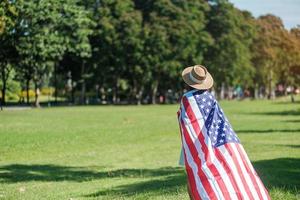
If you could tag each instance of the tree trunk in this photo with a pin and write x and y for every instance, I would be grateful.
(140, 95)
(55, 83)
(256, 91)
(72, 92)
(154, 91)
(27, 90)
(116, 91)
(83, 86)
(222, 93)
(133, 93)
(3, 90)
(271, 92)
(37, 92)
(292, 97)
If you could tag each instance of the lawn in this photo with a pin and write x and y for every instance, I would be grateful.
(131, 152)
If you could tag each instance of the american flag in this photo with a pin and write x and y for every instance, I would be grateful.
(216, 163)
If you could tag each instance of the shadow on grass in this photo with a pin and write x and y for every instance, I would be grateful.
(289, 145)
(276, 173)
(287, 102)
(280, 172)
(163, 184)
(25, 173)
(292, 121)
(269, 131)
(283, 113)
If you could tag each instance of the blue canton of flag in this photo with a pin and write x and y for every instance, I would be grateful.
(217, 125)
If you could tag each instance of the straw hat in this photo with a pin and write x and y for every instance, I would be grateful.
(197, 77)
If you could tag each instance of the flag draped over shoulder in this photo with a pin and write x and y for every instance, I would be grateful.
(216, 163)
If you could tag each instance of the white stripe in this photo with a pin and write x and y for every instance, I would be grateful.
(259, 183)
(226, 179)
(236, 175)
(197, 144)
(244, 171)
(192, 101)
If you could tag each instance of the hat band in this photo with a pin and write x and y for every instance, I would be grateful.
(194, 79)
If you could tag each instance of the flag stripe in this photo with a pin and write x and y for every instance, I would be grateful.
(245, 173)
(248, 174)
(228, 170)
(220, 186)
(261, 186)
(189, 164)
(239, 170)
(234, 171)
(208, 188)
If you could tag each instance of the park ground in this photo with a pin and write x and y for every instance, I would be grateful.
(131, 152)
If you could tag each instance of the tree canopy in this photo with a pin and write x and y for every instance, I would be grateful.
(135, 50)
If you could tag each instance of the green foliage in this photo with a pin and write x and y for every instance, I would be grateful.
(7, 15)
(13, 87)
(139, 47)
(230, 55)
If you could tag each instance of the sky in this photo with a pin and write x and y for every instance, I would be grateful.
(287, 10)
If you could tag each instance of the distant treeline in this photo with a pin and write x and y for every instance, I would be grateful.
(135, 50)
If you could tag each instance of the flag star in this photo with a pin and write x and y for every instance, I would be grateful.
(219, 121)
(202, 106)
(224, 129)
(221, 140)
(207, 110)
(217, 127)
(223, 134)
(203, 99)
(209, 103)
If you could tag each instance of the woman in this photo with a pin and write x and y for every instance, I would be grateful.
(216, 163)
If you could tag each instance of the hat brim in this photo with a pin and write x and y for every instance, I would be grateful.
(207, 83)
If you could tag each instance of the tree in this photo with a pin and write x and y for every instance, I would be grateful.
(8, 14)
(118, 43)
(168, 48)
(229, 58)
(48, 29)
(274, 52)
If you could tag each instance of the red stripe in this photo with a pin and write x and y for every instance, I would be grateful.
(227, 168)
(236, 163)
(205, 150)
(201, 174)
(242, 152)
(255, 184)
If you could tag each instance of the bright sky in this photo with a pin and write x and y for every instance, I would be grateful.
(287, 10)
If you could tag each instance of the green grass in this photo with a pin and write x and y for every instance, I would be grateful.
(131, 152)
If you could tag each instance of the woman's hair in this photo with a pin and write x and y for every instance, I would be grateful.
(188, 88)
